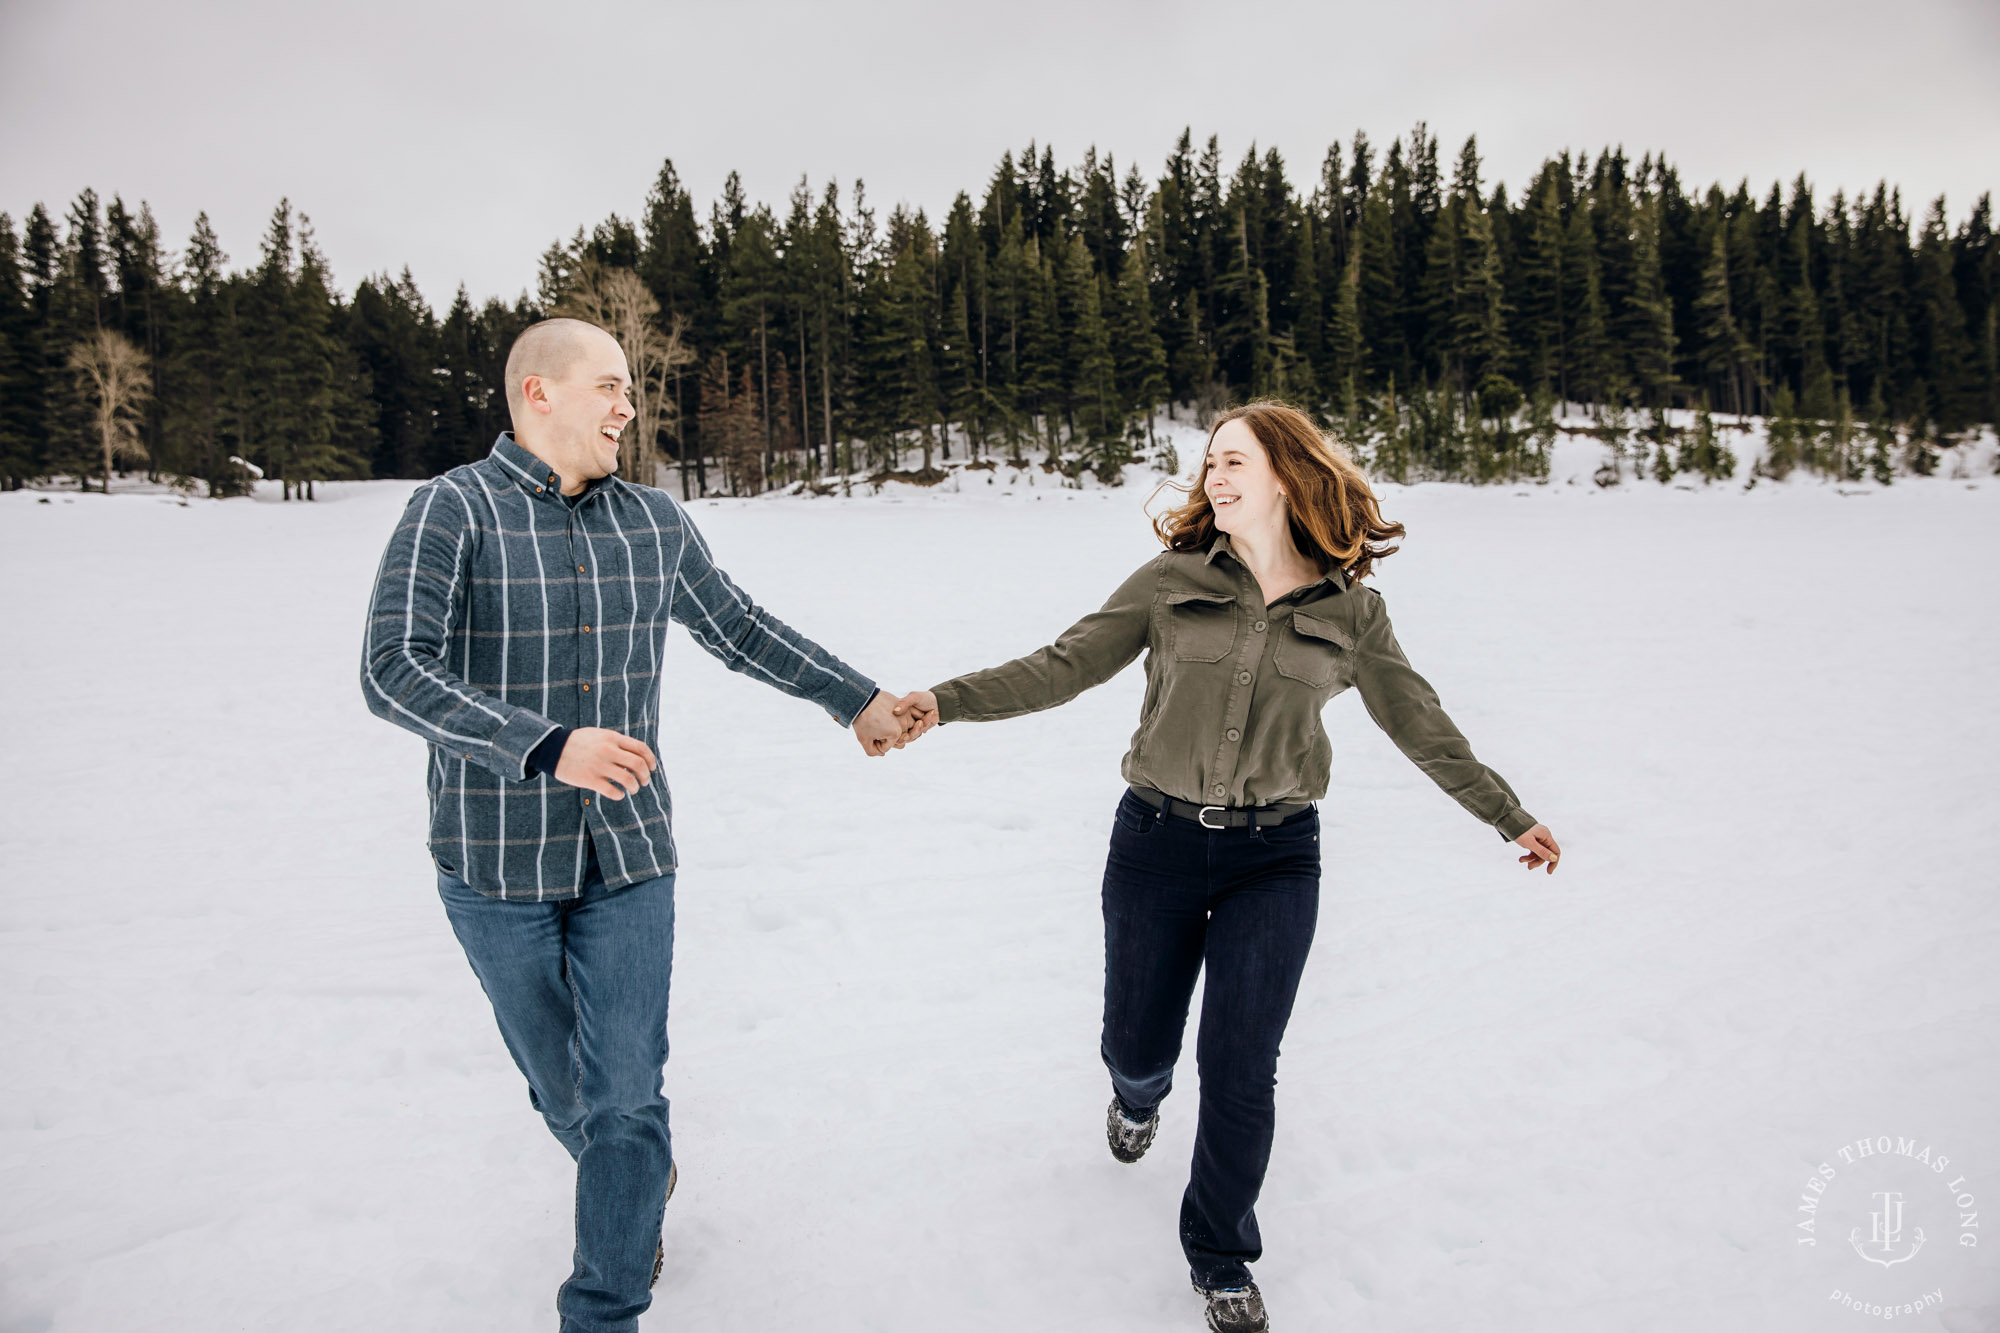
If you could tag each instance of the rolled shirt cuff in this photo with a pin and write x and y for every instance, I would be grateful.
(508, 750)
(545, 756)
(1514, 823)
(849, 698)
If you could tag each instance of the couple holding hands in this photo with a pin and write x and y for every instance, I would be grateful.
(517, 625)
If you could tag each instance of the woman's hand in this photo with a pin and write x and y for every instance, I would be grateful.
(1542, 849)
(919, 713)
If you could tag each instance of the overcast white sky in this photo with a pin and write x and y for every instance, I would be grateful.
(460, 139)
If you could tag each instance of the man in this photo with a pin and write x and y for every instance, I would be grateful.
(517, 625)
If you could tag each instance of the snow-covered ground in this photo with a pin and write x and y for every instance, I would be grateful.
(251, 1084)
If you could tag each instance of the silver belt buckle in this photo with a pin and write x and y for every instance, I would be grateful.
(1201, 818)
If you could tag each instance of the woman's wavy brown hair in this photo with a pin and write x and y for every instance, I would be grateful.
(1335, 516)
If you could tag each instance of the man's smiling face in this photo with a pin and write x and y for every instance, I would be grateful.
(591, 405)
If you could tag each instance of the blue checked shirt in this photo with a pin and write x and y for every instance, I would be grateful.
(502, 612)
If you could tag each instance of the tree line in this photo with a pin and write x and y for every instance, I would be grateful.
(1437, 322)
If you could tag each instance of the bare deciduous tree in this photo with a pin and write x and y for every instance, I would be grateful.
(120, 382)
(617, 300)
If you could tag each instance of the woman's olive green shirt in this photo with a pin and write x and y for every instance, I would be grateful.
(1234, 688)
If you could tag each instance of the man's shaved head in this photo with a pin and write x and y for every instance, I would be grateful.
(547, 349)
(570, 394)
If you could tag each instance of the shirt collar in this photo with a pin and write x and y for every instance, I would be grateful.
(537, 477)
(1336, 575)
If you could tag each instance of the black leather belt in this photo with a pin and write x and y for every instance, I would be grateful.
(1222, 816)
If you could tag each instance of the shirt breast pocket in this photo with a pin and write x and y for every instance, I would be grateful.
(1202, 625)
(642, 592)
(1312, 650)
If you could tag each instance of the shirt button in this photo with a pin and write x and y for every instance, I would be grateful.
(586, 800)
(1242, 678)
(586, 689)
(586, 629)
(538, 490)
(1234, 734)
(1218, 789)
(579, 569)
(1259, 627)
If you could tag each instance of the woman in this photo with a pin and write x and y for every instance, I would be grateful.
(1252, 619)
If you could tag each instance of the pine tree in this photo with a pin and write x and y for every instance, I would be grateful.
(1587, 371)
(671, 252)
(1009, 287)
(1721, 345)
(299, 395)
(196, 378)
(337, 416)
(1378, 296)
(32, 347)
(1094, 389)
(1308, 315)
(393, 332)
(1800, 340)
(77, 296)
(1140, 356)
(1783, 437)
(1647, 329)
(1038, 381)
(1480, 326)
(1942, 349)
(902, 392)
(1465, 301)
(958, 352)
(1344, 335)
(18, 419)
(1539, 304)
(1976, 263)
(137, 269)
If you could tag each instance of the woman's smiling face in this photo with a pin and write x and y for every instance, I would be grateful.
(1240, 483)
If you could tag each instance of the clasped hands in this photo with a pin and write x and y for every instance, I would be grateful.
(889, 723)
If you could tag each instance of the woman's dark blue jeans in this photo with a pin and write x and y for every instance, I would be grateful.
(1242, 903)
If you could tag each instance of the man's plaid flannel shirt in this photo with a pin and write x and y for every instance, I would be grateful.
(502, 612)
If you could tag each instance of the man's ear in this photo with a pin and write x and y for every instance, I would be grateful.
(534, 391)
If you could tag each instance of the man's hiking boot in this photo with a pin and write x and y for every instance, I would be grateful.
(1235, 1309)
(660, 1251)
(1129, 1138)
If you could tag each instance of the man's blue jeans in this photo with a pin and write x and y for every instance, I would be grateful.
(580, 990)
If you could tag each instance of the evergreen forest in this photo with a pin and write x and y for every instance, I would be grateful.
(1436, 321)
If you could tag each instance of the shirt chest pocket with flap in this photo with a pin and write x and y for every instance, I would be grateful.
(1201, 624)
(1313, 650)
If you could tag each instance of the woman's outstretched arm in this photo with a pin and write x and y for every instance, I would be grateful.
(1090, 652)
(1405, 706)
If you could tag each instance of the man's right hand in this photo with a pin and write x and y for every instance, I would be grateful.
(612, 765)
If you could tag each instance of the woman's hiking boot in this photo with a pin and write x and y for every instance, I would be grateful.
(1129, 1138)
(1236, 1309)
